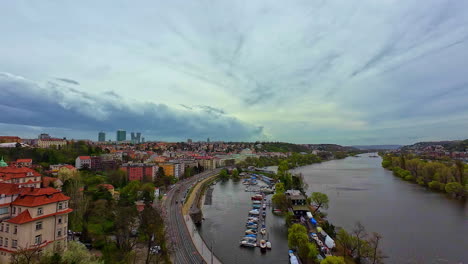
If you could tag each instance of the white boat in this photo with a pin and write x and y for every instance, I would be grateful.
(249, 239)
(268, 245)
(264, 206)
(263, 231)
(253, 219)
(247, 244)
(254, 212)
(263, 245)
(250, 232)
(256, 202)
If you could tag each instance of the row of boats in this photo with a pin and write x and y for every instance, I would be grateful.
(256, 225)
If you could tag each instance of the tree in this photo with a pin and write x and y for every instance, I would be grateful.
(78, 254)
(347, 242)
(375, 255)
(360, 234)
(333, 260)
(454, 188)
(297, 234)
(280, 201)
(125, 226)
(223, 175)
(118, 178)
(26, 255)
(235, 175)
(320, 200)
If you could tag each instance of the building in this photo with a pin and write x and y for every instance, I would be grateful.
(168, 168)
(51, 142)
(44, 136)
(121, 135)
(21, 176)
(135, 137)
(102, 137)
(140, 171)
(189, 141)
(24, 163)
(298, 202)
(9, 139)
(32, 218)
(83, 162)
(138, 137)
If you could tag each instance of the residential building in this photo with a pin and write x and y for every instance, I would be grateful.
(189, 141)
(32, 218)
(51, 143)
(168, 168)
(121, 135)
(83, 162)
(102, 137)
(24, 163)
(21, 176)
(140, 171)
(9, 139)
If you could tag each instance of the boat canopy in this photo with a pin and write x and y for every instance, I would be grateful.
(309, 215)
(313, 221)
(329, 242)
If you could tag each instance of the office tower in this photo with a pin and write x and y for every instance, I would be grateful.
(132, 137)
(102, 137)
(208, 140)
(138, 137)
(142, 140)
(189, 141)
(121, 135)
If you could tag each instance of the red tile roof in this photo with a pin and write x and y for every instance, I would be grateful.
(32, 197)
(48, 180)
(25, 216)
(107, 186)
(84, 157)
(24, 160)
(9, 189)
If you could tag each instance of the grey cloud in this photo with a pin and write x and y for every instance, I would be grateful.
(69, 81)
(54, 106)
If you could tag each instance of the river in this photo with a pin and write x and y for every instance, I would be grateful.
(418, 226)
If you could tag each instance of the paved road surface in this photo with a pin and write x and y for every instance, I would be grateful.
(183, 249)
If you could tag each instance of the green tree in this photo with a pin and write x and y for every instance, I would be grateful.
(333, 260)
(454, 188)
(78, 254)
(297, 234)
(223, 175)
(280, 201)
(319, 200)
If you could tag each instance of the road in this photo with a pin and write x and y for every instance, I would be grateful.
(183, 249)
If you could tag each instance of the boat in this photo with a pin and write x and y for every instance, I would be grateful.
(249, 239)
(264, 214)
(244, 243)
(256, 206)
(257, 202)
(257, 197)
(250, 232)
(251, 235)
(253, 219)
(263, 245)
(254, 212)
(277, 211)
(268, 244)
(264, 206)
(292, 258)
(263, 231)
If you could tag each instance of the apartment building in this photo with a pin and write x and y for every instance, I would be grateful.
(83, 162)
(22, 176)
(140, 171)
(32, 218)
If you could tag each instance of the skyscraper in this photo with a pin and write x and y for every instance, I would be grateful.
(121, 135)
(102, 137)
(138, 137)
(132, 137)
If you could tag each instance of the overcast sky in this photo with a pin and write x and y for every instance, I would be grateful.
(346, 72)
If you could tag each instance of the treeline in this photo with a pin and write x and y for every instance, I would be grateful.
(449, 177)
(293, 161)
(46, 156)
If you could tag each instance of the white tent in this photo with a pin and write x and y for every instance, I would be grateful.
(329, 242)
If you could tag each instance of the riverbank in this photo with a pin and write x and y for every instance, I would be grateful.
(194, 196)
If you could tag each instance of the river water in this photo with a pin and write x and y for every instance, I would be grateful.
(418, 226)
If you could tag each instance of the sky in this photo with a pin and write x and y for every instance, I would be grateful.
(309, 71)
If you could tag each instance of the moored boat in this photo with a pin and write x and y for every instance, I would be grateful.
(263, 231)
(263, 245)
(254, 212)
(268, 245)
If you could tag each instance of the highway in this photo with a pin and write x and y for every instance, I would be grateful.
(180, 241)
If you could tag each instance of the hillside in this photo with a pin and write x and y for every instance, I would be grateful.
(455, 145)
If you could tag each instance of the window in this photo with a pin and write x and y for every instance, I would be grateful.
(1, 227)
(39, 211)
(6, 242)
(7, 229)
(14, 210)
(38, 225)
(59, 232)
(60, 206)
(3, 210)
(1, 241)
(66, 205)
(15, 230)
(14, 243)
(19, 210)
(38, 239)
(59, 219)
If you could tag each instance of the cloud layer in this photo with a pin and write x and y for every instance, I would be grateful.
(61, 107)
(307, 71)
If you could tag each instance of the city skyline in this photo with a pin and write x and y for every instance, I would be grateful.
(302, 72)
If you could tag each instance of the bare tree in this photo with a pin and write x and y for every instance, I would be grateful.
(360, 234)
(26, 255)
(376, 256)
